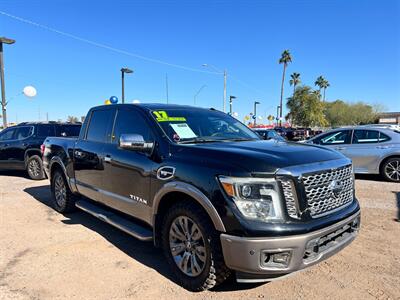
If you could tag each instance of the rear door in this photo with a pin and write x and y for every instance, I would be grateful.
(365, 150)
(88, 153)
(127, 181)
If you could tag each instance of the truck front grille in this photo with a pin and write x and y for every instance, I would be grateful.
(324, 191)
(328, 190)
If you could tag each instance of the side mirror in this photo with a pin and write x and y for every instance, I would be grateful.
(135, 142)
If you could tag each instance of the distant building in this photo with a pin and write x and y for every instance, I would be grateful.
(389, 118)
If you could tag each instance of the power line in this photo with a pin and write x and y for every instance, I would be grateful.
(104, 46)
(120, 51)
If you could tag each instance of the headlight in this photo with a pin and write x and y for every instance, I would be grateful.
(256, 198)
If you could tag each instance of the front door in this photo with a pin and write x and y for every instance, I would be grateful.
(127, 183)
(6, 140)
(340, 140)
(88, 153)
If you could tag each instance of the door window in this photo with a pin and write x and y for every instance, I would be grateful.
(99, 125)
(23, 132)
(7, 134)
(130, 122)
(365, 136)
(45, 130)
(68, 130)
(336, 138)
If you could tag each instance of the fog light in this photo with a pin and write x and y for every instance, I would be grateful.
(281, 258)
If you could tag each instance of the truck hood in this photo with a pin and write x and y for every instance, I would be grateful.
(258, 156)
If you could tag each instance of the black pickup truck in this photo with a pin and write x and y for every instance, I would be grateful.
(217, 198)
(20, 145)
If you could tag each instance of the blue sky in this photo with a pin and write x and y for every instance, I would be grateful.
(354, 44)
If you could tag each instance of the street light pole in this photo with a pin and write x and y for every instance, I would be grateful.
(3, 40)
(255, 112)
(277, 114)
(230, 104)
(123, 71)
(225, 75)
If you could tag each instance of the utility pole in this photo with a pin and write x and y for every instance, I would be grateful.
(230, 104)
(123, 71)
(3, 40)
(255, 112)
(225, 73)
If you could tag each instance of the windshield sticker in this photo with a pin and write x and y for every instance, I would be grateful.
(162, 116)
(183, 131)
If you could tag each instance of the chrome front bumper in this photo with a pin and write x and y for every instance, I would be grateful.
(250, 257)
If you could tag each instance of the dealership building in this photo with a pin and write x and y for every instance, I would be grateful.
(389, 118)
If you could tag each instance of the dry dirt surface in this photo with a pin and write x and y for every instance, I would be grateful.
(45, 255)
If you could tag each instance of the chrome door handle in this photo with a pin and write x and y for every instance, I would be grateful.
(340, 148)
(107, 158)
(382, 147)
(78, 153)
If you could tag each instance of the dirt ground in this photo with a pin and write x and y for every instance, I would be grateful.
(45, 255)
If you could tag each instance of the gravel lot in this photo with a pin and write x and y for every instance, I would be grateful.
(45, 255)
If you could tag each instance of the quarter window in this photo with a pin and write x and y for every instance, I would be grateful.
(383, 137)
(99, 124)
(365, 136)
(45, 130)
(336, 138)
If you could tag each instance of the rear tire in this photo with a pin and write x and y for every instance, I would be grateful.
(63, 199)
(390, 169)
(34, 167)
(193, 248)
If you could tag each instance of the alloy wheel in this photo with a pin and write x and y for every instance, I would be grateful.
(60, 191)
(34, 168)
(392, 170)
(187, 246)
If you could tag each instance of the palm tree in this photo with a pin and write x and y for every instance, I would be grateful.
(320, 82)
(295, 80)
(325, 85)
(285, 59)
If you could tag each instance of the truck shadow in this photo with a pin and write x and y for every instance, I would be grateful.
(143, 252)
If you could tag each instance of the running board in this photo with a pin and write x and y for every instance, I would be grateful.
(131, 228)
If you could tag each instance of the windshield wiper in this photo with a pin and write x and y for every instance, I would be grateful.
(239, 139)
(198, 141)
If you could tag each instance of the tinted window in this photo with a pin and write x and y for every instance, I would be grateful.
(45, 130)
(7, 134)
(365, 136)
(335, 138)
(23, 132)
(68, 130)
(99, 124)
(130, 122)
(383, 137)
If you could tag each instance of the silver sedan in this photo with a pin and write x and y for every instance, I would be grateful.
(373, 149)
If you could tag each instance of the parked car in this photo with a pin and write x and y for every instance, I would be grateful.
(207, 190)
(20, 145)
(373, 149)
(268, 134)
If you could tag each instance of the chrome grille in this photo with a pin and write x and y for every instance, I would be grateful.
(290, 197)
(328, 190)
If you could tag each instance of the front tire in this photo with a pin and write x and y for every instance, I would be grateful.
(390, 169)
(63, 199)
(193, 248)
(34, 167)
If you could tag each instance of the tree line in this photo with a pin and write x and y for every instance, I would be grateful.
(308, 108)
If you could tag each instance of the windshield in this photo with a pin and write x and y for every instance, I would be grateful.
(197, 126)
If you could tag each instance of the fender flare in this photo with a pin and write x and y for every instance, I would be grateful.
(58, 161)
(193, 192)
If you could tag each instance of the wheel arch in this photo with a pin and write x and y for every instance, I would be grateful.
(31, 152)
(385, 159)
(174, 192)
(56, 163)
